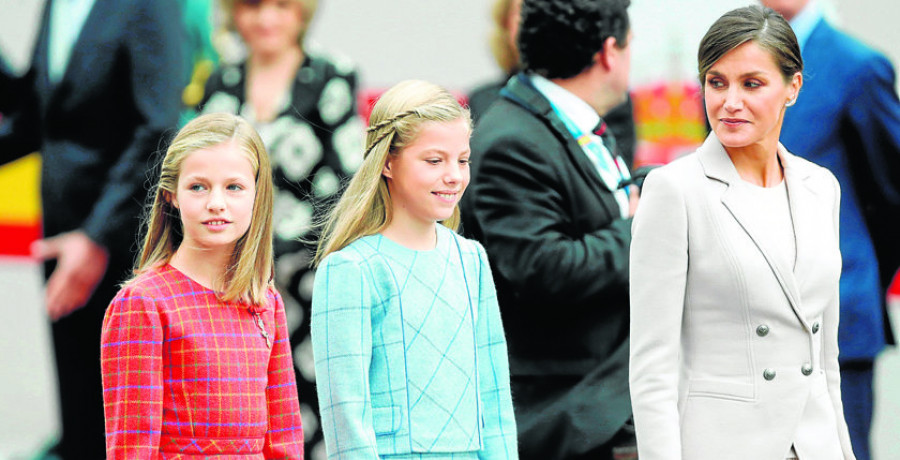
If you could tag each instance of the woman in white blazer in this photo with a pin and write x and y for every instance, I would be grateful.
(734, 272)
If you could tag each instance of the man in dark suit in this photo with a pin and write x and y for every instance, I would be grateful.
(847, 119)
(546, 202)
(103, 88)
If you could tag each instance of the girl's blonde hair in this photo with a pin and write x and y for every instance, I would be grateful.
(365, 207)
(250, 269)
(307, 11)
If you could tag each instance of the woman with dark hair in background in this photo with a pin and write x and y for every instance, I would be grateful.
(734, 272)
(303, 105)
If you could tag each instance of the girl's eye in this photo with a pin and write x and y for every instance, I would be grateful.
(433, 161)
(714, 83)
(196, 187)
(752, 84)
(465, 161)
(235, 187)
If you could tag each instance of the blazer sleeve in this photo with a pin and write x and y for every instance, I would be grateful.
(19, 119)
(131, 361)
(341, 329)
(659, 262)
(493, 371)
(874, 111)
(521, 212)
(830, 321)
(872, 118)
(284, 437)
(155, 77)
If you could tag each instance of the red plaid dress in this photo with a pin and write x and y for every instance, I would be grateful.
(188, 376)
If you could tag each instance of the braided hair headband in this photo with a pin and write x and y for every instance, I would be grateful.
(383, 123)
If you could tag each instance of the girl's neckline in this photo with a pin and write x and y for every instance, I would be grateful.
(207, 290)
(442, 233)
(192, 280)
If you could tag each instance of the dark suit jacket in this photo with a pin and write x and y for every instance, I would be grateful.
(620, 118)
(559, 252)
(98, 126)
(847, 119)
(96, 129)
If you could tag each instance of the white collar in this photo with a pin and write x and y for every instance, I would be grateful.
(583, 115)
(806, 21)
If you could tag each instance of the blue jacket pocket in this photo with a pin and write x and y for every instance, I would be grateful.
(386, 420)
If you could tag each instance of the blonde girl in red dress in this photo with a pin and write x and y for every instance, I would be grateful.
(195, 354)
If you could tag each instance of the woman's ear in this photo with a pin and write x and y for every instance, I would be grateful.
(796, 84)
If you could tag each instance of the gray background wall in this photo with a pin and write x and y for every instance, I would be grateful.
(446, 40)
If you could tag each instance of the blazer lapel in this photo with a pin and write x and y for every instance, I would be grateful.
(801, 198)
(40, 58)
(93, 24)
(718, 166)
(522, 92)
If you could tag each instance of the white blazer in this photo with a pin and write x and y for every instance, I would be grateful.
(733, 351)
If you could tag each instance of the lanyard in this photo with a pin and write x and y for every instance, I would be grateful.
(611, 168)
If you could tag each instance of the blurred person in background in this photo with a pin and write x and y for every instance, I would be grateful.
(547, 202)
(201, 56)
(303, 105)
(506, 15)
(848, 120)
(103, 89)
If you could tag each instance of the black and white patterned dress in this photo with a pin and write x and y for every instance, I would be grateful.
(315, 144)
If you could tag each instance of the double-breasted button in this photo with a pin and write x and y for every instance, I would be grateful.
(815, 327)
(762, 330)
(806, 369)
(769, 374)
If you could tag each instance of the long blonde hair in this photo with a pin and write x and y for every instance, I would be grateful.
(365, 207)
(250, 269)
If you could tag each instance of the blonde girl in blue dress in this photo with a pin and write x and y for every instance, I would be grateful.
(410, 354)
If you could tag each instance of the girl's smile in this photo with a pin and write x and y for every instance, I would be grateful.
(428, 177)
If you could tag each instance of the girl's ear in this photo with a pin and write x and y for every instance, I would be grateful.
(171, 199)
(386, 170)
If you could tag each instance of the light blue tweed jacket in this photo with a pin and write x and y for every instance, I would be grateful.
(410, 352)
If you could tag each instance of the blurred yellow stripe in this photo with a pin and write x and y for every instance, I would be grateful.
(20, 201)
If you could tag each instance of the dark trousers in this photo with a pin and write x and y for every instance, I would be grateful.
(558, 418)
(858, 398)
(622, 446)
(76, 343)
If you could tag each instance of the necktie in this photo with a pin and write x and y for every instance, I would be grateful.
(609, 141)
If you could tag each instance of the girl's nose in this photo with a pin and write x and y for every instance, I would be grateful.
(453, 173)
(216, 201)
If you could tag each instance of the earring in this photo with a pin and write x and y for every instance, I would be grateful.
(790, 102)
